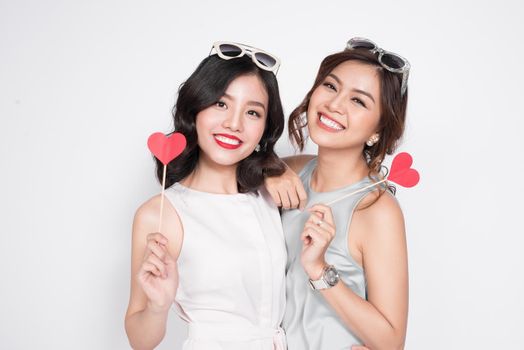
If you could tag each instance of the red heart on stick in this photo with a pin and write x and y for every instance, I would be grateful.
(401, 171)
(166, 148)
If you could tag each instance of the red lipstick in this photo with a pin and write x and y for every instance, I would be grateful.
(220, 140)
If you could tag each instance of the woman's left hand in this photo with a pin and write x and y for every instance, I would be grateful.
(318, 233)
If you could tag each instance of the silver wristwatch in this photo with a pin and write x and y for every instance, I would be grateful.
(328, 279)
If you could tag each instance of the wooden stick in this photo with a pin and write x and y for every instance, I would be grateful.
(162, 198)
(355, 192)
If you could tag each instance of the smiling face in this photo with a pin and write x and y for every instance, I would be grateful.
(229, 130)
(344, 110)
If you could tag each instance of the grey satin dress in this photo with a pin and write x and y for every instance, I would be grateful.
(309, 322)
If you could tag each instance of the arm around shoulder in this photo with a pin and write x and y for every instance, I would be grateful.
(287, 189)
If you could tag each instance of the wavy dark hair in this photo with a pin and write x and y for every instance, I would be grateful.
(393, 107)
(204, 88)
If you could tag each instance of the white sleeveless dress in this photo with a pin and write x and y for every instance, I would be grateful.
(231, 269)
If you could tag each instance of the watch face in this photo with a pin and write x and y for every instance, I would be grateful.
(331, 276)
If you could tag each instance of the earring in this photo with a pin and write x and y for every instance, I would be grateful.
(257, 148)
(372, 140)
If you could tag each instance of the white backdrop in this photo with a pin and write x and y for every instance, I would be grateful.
(83, 84)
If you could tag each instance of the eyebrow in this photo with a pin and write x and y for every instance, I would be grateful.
(356, 90)
(249, 103)
(365, 93)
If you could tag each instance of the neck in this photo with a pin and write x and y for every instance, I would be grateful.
(212, 177)
(338, 168)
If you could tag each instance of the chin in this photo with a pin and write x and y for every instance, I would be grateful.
(322, 139)
(225, 159)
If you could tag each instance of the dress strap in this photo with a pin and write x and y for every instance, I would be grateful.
(307, 170)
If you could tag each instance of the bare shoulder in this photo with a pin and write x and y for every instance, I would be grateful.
(384, 210)
(297, 163)
(148, 214)
(147, 219)
(383, 219)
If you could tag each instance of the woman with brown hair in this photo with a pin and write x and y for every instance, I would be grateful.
(346, 275)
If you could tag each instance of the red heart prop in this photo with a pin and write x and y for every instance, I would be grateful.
(166, 148)
(401, 171)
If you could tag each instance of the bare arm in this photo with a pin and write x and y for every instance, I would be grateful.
(381, 320)
(154, 276)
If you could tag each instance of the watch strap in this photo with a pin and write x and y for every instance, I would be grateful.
(319, 284)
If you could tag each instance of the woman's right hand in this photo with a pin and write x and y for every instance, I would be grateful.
(287, 190)
(158, 274)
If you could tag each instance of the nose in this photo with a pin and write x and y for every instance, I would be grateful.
(336, 104)
(233, 120)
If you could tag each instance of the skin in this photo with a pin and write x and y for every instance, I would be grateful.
(240, 113)
(350, 100)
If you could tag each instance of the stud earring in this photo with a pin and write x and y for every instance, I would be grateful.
(372, 140)
(257, 148)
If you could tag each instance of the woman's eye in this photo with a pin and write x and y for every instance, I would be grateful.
(359, 101)
(220, 104)
(330, 86)
(254, 113)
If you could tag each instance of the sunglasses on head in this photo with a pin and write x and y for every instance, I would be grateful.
(229, 50)
(389, 60)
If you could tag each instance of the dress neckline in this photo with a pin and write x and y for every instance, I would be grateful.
(336, 190)
(210, 194)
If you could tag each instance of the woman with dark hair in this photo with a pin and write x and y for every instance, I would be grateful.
(347, 276)
(221, 256)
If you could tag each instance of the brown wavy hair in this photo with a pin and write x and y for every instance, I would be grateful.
(392, 105)
(204, 88)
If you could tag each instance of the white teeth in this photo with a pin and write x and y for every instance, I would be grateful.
(227, 140)
(330, 123)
